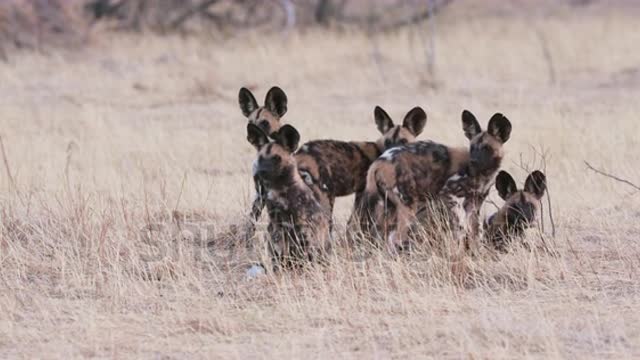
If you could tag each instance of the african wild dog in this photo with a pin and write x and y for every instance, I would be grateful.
(407, 178)
(334, 168)
(267, 118)
(298, 225)
(337, 168)
(519, 211)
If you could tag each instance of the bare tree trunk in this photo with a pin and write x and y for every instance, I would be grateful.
(290, 12)
(322, 13)
(431, 47)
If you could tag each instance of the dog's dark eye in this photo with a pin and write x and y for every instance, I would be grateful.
(403, 141)
(276, 159)
(264, 124)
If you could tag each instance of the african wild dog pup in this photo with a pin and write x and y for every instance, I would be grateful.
(519, 211)
(268, 119)
(406, 178)
(298, 225)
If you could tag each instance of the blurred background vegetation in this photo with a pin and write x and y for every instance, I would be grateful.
(38, 24)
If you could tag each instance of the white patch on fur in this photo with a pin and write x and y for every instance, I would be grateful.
(254, 167)
(390, 153)
(458, 211)
(490, 219)
(392, 238)
(454, 178)
(397, 192)
(306, 176)
(304, 148)
(275, 197)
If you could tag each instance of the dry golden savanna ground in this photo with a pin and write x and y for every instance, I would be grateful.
(106, 141)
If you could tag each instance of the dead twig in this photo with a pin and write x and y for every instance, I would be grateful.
(488, 201)
(184, 179)
(553, 223)
(7, 168)
(71, 148)
(540, 159)
(544, 156)
(610, 176)
(546, 54)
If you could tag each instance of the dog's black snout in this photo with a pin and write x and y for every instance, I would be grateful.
(265, 168)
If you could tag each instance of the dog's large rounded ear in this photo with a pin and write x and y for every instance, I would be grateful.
(415, 120)
(383, 120)
(276, 101)
(470, 125)
(248, 103)
(536, 184)
(256, 136)
(505, 185)
(499, 127)
(288, 137)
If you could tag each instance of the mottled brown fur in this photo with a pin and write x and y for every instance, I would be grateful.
(519, 211)
(407, 178)
(338, 168)
(298, 224)
(334, 168)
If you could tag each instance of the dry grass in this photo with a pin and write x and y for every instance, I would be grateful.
(104, 142)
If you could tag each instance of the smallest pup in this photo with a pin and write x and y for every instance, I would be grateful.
(519, 211)
(298, 226)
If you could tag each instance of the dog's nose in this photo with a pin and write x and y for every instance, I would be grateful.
(262, 172)
(264, 169)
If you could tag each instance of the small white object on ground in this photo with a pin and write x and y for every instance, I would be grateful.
(254, 271)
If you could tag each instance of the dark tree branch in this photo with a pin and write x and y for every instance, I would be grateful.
(616, 178)
(199, 8)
